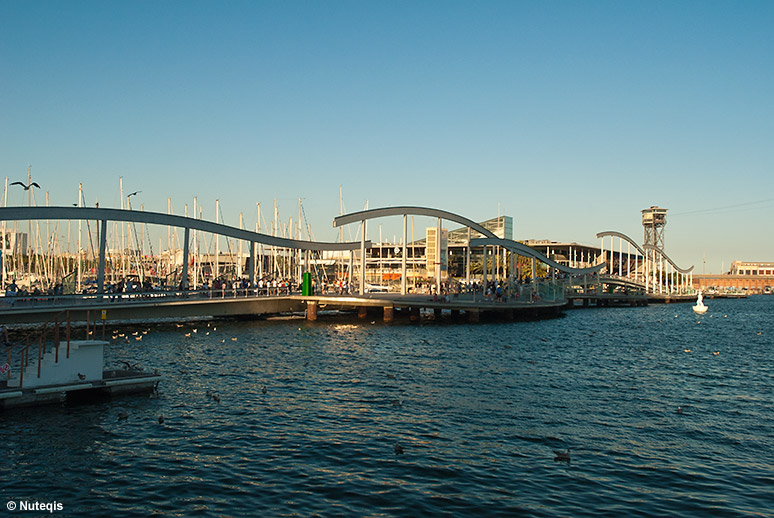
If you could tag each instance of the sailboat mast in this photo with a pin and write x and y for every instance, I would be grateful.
(80, 223)
(239, 248)
(123, 228)
(217, 239)
(260, 245)
(274, 232)
(4, 238)
(196, 250)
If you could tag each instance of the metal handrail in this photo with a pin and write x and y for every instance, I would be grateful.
(24, 351)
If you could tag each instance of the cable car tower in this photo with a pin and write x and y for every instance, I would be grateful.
(653, 224)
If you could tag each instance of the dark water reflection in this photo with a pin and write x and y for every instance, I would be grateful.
(477, 409)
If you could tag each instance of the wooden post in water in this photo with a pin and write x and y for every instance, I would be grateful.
(389, 313)
(68, 334)
(311, 311)
(40, 352)
(56, 340)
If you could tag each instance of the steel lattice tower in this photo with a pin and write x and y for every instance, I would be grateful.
(653, 223)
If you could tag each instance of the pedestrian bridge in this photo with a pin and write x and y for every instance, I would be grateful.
(634, 272)
(646, 267)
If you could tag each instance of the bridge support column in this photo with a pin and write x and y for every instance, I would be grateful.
(102, 248)
(585, 302)
(455, 314)
(184, 279)
(389, 313)
(311, 311)
(473, 316)
(403, 280)
(251, 264)
(485, 270)
(437, 313)
(467, 261)
(414, 314)
(362, 257)
(362, 311)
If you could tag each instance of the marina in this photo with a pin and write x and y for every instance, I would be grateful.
(515, 282)
(386, 259)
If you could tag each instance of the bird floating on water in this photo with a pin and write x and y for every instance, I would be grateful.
(264, 390)
(161, 419)
(562, 456)
(122, 415)
(398, 449)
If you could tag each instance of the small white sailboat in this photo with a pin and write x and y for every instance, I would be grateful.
(700, 308)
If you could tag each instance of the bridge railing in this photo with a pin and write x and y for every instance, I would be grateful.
(27, 302)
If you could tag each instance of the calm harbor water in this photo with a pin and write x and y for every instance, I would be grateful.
(477, 410)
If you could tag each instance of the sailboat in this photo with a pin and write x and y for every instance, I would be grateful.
(700, 308)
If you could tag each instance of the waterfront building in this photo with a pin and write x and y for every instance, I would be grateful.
(575, 255)
(744, 276)
(437, 252)
(383, 260)
(13, 242)
(752, 268)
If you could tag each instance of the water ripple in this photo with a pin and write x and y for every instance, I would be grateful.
(310, 415)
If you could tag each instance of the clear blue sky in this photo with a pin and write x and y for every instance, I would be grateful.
(570, 116)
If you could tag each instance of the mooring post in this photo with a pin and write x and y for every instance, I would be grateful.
(362, 311)
(389, 313)
(311, 311)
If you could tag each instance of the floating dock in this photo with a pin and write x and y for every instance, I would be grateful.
(68, 372)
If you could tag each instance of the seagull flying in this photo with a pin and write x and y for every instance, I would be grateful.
(26, 187)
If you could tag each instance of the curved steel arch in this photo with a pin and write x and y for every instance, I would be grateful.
(363, 215)
(681, 270)
(649, 247)
(523, 249)
(158, 218)
(613, 233)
